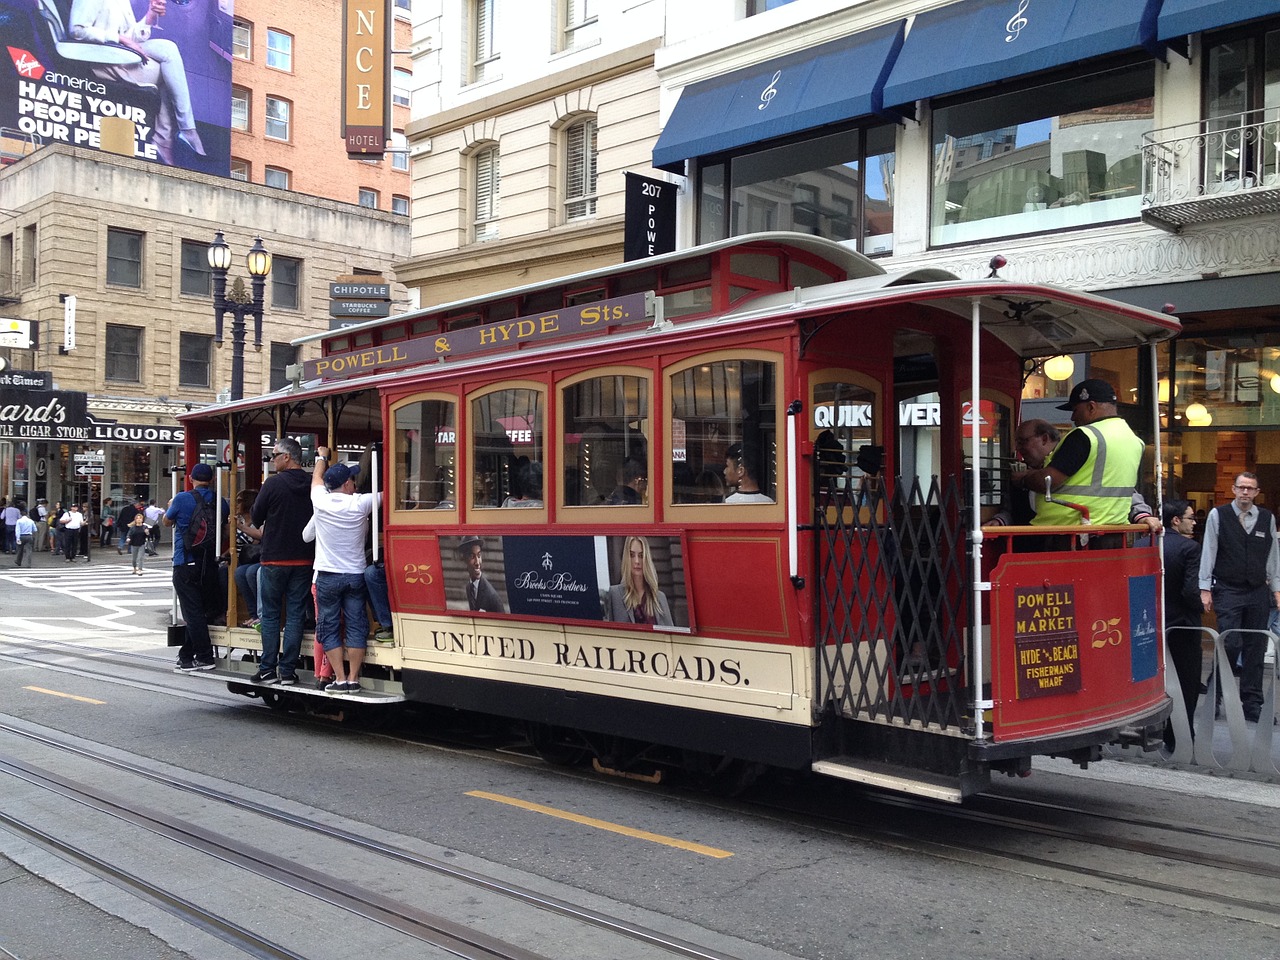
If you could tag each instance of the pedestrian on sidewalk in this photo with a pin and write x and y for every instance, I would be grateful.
(137, 536)
(71, 522)
(25, 531)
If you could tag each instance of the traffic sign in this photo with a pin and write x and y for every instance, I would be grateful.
(89, 470)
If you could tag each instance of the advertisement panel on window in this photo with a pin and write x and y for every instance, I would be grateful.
(146, 77)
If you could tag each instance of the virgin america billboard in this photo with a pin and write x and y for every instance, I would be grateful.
(156, 71)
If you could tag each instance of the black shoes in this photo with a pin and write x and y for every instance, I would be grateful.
(267, 676)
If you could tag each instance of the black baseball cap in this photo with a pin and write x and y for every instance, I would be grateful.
(1086, 391)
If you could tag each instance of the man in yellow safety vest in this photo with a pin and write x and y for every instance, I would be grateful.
(1096, 465)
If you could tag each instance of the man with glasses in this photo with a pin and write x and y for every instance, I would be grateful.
(1239, 576)
(282, 510)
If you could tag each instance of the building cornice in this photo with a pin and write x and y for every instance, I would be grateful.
(616, 64)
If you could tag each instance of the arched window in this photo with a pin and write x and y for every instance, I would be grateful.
(580, 169)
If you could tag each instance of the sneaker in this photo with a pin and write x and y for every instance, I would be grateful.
(265, 676)
(185, 666)
(205, 663)
(385, 636)
(289, 681)
(353, 686)
(335, 686)
(323, 682)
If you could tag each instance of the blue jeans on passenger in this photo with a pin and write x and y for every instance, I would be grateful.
(375, 581)
(247, 585)
(341, 597)
(287, 590)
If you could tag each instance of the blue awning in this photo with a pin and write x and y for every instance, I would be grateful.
(839, 80)
(977, 42)
(1181, 17)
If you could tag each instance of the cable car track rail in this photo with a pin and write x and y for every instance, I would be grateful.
(385, 911)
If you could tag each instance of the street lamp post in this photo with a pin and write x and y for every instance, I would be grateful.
(239, 303)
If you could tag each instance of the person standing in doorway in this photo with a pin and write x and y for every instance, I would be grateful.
(1239, 577)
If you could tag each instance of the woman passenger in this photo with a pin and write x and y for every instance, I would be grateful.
(248, 550)
(637, 598)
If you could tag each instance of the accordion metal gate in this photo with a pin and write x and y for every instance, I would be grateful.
(893, 600)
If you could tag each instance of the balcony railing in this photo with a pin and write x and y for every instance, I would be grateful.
(1214, 170)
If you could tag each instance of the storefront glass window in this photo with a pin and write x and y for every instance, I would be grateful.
(1006, 165)
(1227, 382)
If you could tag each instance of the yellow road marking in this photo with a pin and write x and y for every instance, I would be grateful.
(68, 696)
(602, 824)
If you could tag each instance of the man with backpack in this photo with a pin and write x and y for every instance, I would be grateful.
(194, 517)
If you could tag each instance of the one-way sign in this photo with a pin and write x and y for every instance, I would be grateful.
(90, 470)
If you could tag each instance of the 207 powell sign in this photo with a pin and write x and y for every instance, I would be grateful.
(33, 415)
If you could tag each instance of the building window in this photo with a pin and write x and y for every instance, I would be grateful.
(278, 118)
(400, 148)
(1008, 164)
(29, 255)
(404, 4)
(286, 276)
(578, 15)
(241, 39)
(401, 82)
(240, 170)
(282, 355)
(239, 108)
(580, 170)
(197, 277)
(483, 53)
(124, 353)
(400, 205)
(276, 177)
(839, 187)
(369, 198)
(195, 358)
(6, 263)
(755, 7)
(1242, 105)
(279, 50)
(124, 257)
(486, 180)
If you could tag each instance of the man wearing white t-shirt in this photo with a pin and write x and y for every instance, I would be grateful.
(341, 525)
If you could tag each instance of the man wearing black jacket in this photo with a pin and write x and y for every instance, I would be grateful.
(282, 510)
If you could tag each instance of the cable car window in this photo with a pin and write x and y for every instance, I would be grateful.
(995, 449)
(425, 456)
(686, 302)
(605, 444)
(762, 266)
(507, 433)
(724, 433)
(844, 428)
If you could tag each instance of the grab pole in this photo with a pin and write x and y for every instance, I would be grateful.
(975, 535)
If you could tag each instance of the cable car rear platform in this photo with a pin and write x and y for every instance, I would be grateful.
(238, 676)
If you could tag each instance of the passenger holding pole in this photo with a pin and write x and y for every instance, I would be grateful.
(1095, 466)
(341, 527)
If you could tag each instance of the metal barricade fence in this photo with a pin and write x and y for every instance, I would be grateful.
(1226, 743)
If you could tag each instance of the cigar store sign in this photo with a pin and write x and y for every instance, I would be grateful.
(35, 415)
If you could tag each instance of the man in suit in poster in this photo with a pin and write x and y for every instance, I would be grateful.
(481, 595)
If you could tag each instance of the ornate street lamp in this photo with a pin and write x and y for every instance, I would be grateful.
(239, 303)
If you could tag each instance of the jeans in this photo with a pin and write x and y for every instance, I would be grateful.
(247, 585)
(375, 582)
(341, 596)
(283, 589)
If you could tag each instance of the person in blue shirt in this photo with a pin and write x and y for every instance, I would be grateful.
(195, 571)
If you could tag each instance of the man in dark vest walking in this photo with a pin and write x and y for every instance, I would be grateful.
(1239, 572)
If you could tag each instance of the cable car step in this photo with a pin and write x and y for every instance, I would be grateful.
(887, 776)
